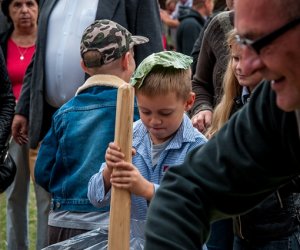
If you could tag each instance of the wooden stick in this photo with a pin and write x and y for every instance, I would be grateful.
(119, 223)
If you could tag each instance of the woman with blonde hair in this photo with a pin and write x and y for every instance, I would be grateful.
(237, 87)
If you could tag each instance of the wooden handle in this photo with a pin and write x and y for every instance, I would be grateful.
(119, 222)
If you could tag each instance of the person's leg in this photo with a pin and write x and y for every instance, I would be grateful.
(295, 240)
(291, 242)
(17, 200)
(43, 199)
(221, 236)
(239, 244)
(43, 207)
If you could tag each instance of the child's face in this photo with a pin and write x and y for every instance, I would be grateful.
(245, 79)
(162, 114)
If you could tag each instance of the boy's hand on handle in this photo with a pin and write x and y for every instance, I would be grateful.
(113, 155)
(128, 177)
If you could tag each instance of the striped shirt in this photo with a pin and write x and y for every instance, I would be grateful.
(185, 139)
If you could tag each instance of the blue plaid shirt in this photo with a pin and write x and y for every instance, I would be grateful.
(185, 139)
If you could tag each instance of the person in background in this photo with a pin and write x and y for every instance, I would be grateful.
(55, 74)
(3, 21)
(7, 103)
(170, 6)
(18, 44)
(191, 25)
(82, 128)
(219, 6)
(255, 152)
(181, 8)
(169, 33)
(210, 68)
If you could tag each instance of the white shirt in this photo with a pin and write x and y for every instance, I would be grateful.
(67, 22)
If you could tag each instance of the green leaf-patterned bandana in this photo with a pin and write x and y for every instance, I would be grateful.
(166, 59)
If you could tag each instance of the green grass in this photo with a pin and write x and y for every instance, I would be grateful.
(32, 220)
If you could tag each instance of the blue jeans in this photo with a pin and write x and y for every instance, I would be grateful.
(17, 204)
(291, 242)
(221, 235)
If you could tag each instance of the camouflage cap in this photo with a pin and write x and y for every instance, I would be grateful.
(110, 39)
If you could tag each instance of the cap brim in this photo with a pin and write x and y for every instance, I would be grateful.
(139, 39)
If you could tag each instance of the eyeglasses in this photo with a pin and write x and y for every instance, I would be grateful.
(260, 43)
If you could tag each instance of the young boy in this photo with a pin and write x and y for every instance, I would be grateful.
(162, 137)
(82, 128)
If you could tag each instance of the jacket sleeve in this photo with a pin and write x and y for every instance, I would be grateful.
(96, 190)
(256, 152)
(46, 159)
(7, 102)
(212, 62)
(145, 23)
(22, 107)
(197, 46)
(202, 80)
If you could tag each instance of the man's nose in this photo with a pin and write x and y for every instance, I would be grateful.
(251, 62)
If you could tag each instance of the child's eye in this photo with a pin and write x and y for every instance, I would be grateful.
(146, 112)
(166, 113)
(235, 58)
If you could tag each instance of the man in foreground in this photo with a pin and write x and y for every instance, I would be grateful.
(239, 168)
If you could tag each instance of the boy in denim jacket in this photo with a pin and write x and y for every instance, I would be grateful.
(82, 128)
(161, 138)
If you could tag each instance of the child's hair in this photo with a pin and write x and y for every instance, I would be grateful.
(231, 89)
(162, 73)
(163, 80)
(92, 59)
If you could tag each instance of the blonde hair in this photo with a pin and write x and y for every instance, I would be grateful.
(162, 80)
(231, 89)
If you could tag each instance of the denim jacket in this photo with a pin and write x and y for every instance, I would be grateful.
(74, 148)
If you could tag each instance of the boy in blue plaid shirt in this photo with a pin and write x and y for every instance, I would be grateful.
(161, 138)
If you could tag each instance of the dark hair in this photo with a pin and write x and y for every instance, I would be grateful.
(5, 5)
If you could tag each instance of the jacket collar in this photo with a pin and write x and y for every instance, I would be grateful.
(101, 80)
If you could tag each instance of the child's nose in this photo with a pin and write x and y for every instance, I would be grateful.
(156, 120)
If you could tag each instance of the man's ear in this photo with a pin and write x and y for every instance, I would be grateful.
(190, 101)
